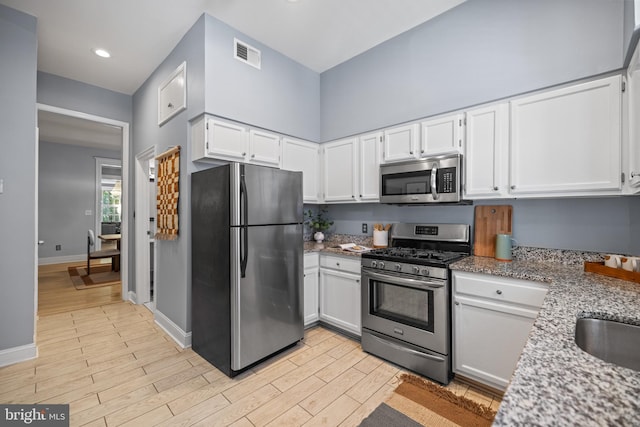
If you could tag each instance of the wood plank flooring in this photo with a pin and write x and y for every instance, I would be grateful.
(56, 293)
(115, 366)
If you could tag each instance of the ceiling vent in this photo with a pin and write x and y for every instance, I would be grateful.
(246, 53)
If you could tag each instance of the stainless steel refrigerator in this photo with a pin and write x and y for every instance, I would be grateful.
(247, 264)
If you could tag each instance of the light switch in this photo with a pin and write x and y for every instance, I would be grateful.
(88, 212)
(1, 186)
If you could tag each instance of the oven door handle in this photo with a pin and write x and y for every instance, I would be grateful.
(421, 284)
(408, 350)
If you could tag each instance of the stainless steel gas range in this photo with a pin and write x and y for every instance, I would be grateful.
(406, 297)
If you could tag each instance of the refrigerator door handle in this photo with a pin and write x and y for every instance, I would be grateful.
(244, 229)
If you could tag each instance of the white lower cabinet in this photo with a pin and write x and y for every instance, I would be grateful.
(340, 293)
(492, 318)
(311, 288)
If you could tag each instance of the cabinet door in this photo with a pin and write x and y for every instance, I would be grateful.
(369, 178)
(486, 159)
(400, 143)
(442, 135)
(488, 339)
(264, 148)
(340, 171)
(633, 93)
(310, 296)
(567, 140)
(305, 157)
(340, 300)
(226, 140)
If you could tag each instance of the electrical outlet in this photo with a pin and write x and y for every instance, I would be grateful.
(365, 228)
(58, 247)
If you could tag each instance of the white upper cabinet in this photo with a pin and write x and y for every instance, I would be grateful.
(401, 143)
(215, 139)
(369, 167)
(487, 152)
(225, 140)
(441, 135)
(567, 141)
(305, 157)
(339, 170)
(264, 148)
(633, 123)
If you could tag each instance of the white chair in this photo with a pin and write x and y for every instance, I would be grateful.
(114, 254)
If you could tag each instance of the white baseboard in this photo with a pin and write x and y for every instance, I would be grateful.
(61, 259)
(133, 297)
(18, 354)
(179, 336)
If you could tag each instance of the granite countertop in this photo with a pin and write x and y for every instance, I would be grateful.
(329, 245)
(555, 382)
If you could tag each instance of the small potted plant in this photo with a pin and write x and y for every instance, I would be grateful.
(318, 223)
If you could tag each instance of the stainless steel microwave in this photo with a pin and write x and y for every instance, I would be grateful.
(431, 180)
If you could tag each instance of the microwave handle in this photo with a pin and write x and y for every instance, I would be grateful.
(434, 175)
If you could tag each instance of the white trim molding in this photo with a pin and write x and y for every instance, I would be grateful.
(18, 354)
(62, 259)
(182, 338)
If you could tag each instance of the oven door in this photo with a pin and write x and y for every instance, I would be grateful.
(413, 310)
(434, 180)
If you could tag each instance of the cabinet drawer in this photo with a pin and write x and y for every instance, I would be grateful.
(349, 265)
(311, 260)
(514, 291)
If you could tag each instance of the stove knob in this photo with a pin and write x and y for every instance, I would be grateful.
(381, 264)
(425, 272)
(416, 270)
(374, 264)
(398, 267)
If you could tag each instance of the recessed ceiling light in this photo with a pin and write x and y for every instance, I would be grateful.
(102, 53)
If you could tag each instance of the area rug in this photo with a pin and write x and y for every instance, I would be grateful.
(417, 402)
(101, 275)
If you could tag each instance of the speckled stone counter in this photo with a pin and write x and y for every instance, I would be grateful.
(556, 383)
(329, 246)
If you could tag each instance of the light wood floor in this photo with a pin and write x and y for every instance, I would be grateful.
(56, 293)
(115, 366)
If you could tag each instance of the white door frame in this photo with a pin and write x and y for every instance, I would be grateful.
(124, 227)
(141, 221)
(102, 161)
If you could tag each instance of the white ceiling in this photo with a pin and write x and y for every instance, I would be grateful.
(319, 34)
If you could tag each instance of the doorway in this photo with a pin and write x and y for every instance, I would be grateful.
(144, 217)
(87, 122)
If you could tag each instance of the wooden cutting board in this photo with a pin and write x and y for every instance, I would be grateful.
(489, 221)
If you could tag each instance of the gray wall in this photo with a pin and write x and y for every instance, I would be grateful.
(282, 96)
(172, 290)
(66, 189)
(18, 50)
(77, 96)
(589, 224)
(479, 51)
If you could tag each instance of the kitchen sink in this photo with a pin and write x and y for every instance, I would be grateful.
(611, 341)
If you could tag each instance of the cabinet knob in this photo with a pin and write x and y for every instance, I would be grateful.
(338, 264)
(457, 303)
(499, 292)
(353, 197)
(513, 187)
(421, 151)
(361, 196)
(495, 188)
(253, 156)
(244, 154)
(410, 152)
(357, 280)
